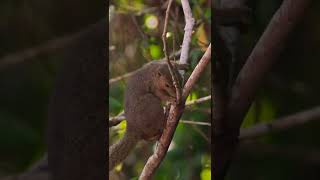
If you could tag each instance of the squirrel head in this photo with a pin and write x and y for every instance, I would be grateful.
(163, 83)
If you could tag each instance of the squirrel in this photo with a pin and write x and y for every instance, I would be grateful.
(145, 91)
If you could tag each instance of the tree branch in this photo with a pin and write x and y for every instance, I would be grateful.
(175, 113)
(195, 122)
(173, 75)
(198, 101)
(258, 64)
(281, 124)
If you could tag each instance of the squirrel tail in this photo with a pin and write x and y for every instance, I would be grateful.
(121, 149)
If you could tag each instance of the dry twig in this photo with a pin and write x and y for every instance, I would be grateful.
(173, 75)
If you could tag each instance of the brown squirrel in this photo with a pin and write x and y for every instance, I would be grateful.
(146, 89)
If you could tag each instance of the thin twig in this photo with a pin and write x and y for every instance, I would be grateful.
(198, 130)
(113, 121)
(122, 77)
(195, 123)
(119, 78)
(281, 124)
(200, 100)
(173, 75)
(135, 22)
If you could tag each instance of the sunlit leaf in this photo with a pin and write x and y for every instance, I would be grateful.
(155, 51)
(118, 167)
(202, 37)
(192, 96)
(169, 34)
(206, 161)
(263, 112)
(206, 174)
(122, 128)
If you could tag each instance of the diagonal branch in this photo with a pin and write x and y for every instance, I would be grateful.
(175, 113)
(258, 64)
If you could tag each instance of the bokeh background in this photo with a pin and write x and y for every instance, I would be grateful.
(135, 29)
(291, 86)
(25, 87)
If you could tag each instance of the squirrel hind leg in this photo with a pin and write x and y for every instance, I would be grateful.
(149, 118)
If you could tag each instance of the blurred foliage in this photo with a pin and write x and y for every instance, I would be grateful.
(25, 87)
(291, 86)
(135, 37)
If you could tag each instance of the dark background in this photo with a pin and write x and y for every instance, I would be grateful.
(25, 87)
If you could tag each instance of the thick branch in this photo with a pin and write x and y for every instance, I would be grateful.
(258, 64)
(197, 72)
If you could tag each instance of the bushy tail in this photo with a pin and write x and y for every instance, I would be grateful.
(121, 149)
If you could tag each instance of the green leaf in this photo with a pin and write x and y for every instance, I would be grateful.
(206, 174)
(263, 112)
(114, 104)
(155, 51)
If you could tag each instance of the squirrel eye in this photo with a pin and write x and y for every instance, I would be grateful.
(167, 85)
(159, 74)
